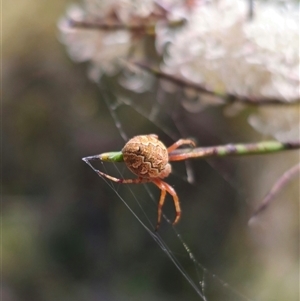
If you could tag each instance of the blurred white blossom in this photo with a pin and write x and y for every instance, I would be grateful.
(214, 44)
(221, 48)
(105, 46)
(281, 123)
(101, 48)
(218, 46)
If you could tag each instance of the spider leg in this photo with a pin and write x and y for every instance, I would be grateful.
(159, 207)
(123, 181)
(164, 187)
(117, 180)
(179, 143)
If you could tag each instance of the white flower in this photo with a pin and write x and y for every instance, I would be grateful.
(222, 49)
(101, 48)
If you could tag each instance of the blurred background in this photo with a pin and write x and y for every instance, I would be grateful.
(67, 235)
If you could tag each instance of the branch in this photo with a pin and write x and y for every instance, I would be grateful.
(277, 187)
(227, 97)
(148, 28)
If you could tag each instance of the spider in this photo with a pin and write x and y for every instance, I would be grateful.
(148, 158)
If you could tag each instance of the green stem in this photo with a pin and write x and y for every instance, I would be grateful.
(265, 147)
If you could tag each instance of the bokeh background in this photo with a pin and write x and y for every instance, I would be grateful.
(66, 235)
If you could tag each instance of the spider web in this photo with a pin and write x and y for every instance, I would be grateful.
(177, 243)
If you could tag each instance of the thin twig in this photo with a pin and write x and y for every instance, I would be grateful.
(149, 28)
(251, 10)
(227, 97)
(277, 187)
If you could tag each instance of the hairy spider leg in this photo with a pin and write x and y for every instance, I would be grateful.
(164, 187)
(179, 143)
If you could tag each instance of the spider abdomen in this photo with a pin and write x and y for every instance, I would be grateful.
(147, 157)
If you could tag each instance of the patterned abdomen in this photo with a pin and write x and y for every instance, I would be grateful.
(147, 157)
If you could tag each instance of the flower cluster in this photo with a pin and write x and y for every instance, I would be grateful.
(105, 32)
(233, 54)
(217, 45)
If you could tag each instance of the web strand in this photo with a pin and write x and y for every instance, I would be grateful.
(203, 274)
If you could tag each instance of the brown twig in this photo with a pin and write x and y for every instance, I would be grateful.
(227, 97)
(110, 26)
(277, 187)
(147, 27)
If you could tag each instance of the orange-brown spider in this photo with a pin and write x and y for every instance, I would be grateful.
(148, 158)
